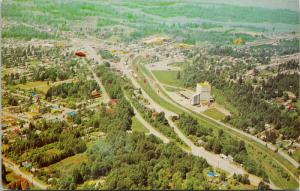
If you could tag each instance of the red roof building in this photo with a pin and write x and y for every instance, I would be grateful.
(80, 54)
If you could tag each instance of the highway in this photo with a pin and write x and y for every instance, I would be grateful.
(92, 54)
(151, 129)
(213, 159)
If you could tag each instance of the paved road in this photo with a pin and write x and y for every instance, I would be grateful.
(28, 177)
(151, 129)
(214, 160)
(92, 54)
(105, 95)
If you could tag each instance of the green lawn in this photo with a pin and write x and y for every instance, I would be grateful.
(214, 113)
(40, 86)
(53, 151)
(171, 89)
(68, 164)
(25, 32)
(168, 77)
(298, 104)
(296, 155)
(137, 126)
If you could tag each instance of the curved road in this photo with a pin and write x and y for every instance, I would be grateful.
(212, 159)
(107, 98)
(151, 129)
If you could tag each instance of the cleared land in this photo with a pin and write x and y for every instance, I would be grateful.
(214, 113)
(40, 86)
(168, 77)
(68, 164)
(137, 126)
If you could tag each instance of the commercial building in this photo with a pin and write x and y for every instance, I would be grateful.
(195, 100)
(203, 93)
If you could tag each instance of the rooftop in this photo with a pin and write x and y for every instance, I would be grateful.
(206, 83)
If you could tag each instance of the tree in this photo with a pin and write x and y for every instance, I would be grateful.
(285, 96)
(23, 80)
(178, 76)
(77, 177)
(271, 136)
(263, 186)
(217, 146)
(4, 174)
(220, 133)
(222, 176)
(161, 118)
(106, 64)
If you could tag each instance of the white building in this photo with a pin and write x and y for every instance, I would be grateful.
(203, 93)
(195, 100)
(204, 89)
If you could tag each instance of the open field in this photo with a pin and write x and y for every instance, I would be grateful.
(137, 126)
(40, 86)
(66, 165)
(214, 113)
(168, 77)
(26, 33)
(296, 155)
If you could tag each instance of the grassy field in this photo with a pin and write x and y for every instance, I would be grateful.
(220, 99)
(24, 32)
(40, 86)
(269, 155)
(296, 155)
(68, 164)
(168, 77)
(226, 13)
(298, 104)
(171, 89)
(214, 113)
(137, 126)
